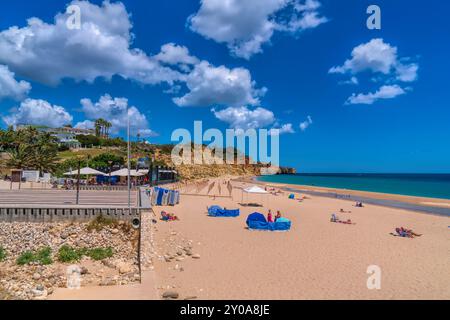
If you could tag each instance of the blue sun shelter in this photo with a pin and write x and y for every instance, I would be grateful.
(217, 211)
(257, 221)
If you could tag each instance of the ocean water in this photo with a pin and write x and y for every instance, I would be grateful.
(420, 185)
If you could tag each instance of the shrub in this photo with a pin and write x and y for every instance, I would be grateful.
(88, 140)
(2, 254)
(100, 253)
(26, 258)
(69, 254)
(43, 257)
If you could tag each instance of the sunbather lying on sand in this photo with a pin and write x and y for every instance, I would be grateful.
(405, 233)
(168, 216)
(335, 218)
(344, 211)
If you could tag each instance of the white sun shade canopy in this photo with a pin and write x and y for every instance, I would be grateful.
(255, 189)
(133, 173)
(85, 171)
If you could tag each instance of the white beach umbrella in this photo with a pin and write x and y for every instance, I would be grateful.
(85, 171)
(254, 190)
(133, 173)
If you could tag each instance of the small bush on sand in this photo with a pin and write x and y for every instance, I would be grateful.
(43, 257)
(26, 258)
(68, 254)
(2, 254)
(100, 253)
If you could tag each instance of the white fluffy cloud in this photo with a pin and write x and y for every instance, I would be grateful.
(10, 87)
(246, 25)
(50, 52)
(86, 124)
(245, 118)
(382, 59)
(378, 57)
(102, 48)
(385, 92)
(114, 110)
(148, 133)
(285, 128)
(305, 124)
(209, 85)
(38, 112)
(174, 54)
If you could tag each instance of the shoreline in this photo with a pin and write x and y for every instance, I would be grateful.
(436, 206)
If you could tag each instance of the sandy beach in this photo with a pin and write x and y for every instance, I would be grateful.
(316, 259)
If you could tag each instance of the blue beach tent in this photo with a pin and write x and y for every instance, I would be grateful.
(216, 211)
(257, 221)
(292, 196)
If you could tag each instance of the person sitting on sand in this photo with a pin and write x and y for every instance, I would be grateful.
(269, 216)
(278, 216)
(334, 218)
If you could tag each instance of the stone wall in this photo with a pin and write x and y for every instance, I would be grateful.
(64, 214)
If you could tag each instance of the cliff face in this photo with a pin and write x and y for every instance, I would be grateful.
(200, 171)
(287, 170)
(190, 172)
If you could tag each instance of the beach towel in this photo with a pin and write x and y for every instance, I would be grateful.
(159, 197)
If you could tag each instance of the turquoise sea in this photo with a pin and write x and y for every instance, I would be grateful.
(421, 185)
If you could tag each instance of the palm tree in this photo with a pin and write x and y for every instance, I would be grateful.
(30, 149)
(98, 127)
(20, 157)
(45, 159)
(108, 125)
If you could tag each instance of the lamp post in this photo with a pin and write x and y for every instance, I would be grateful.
(78, 181)
(128, 159)
(110, 169)
(152, 159)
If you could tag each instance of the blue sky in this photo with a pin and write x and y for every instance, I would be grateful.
(279, 55)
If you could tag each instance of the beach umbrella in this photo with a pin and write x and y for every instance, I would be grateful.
(133, 173)
(85, 171)
(253, 190)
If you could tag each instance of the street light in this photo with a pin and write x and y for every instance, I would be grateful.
(128, 159)
(78, 181)
(110, 169)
